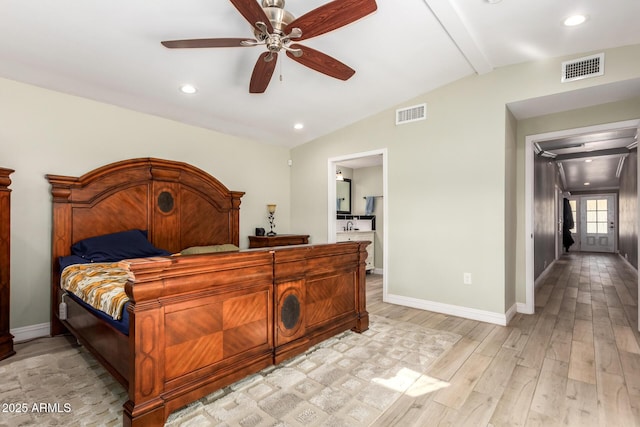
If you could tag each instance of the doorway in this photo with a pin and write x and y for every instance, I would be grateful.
(358, 161)
(598, 240)
(595, 223)
(598, 223)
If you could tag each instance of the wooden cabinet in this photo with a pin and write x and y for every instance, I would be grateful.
(278, 240)
(360, 236)
(6, 339)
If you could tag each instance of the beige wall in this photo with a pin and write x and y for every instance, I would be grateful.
(368, 182)
(44, 132)
(451, 209)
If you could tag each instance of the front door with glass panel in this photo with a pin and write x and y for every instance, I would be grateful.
(597, 223)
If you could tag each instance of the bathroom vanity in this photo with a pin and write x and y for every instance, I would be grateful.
(357, 235)
(358, 228)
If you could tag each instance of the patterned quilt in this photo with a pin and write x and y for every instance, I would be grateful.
(101, 285)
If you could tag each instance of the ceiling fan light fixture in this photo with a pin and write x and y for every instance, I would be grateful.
(273, 3)
(278, 16)
(575, 20)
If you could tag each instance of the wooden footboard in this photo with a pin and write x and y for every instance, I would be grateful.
(319, 292)
(198, 323)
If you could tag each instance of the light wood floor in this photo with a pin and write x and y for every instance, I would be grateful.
(576, 362)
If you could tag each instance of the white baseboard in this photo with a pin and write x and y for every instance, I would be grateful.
(528, 307)
(453, 310)
(512, 311)
(377, 270)
(543, 274)
(26, 333)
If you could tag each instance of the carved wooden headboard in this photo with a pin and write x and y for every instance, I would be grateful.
(178, 204)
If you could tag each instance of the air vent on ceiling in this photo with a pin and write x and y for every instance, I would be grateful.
(582, 68)
(411, 114)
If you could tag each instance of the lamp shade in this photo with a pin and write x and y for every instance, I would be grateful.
(271, 208)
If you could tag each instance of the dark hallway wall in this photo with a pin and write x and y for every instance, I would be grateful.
(628, 210)
(546, 178)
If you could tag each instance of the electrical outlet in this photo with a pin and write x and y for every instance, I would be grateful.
(466, 278)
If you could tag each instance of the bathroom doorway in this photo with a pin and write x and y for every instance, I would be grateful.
(362, 165)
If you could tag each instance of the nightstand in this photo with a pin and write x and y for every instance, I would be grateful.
(278, 240)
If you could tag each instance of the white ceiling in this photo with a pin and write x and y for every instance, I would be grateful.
(111, 52)
(591, 161)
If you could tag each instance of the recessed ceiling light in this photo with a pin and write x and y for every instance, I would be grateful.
(588, 161)
(188, 89)
(587, 183)
(298, 126)
(574, 20)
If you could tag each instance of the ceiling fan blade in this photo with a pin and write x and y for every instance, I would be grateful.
(262, 72)
(331, 16)
(197, 43)
(252, 12)
(321, 62)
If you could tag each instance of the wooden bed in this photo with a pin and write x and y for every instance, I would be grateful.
(197, 322)
(6, 339)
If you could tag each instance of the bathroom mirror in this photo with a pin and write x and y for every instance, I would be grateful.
(343, 195)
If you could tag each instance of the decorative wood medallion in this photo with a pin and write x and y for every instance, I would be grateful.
(290, 311)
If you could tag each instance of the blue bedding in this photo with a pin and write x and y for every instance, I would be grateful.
(110, 248)
(121, 325)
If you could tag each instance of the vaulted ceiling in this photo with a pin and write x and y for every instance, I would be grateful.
(111, 52)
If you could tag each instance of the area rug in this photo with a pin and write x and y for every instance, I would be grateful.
(348, 380)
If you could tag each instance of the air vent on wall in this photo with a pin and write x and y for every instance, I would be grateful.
(411, 114)
(582, 68)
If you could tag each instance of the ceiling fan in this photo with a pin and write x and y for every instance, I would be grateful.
(278, 30)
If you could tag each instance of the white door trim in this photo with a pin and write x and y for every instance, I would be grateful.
(528, 306)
